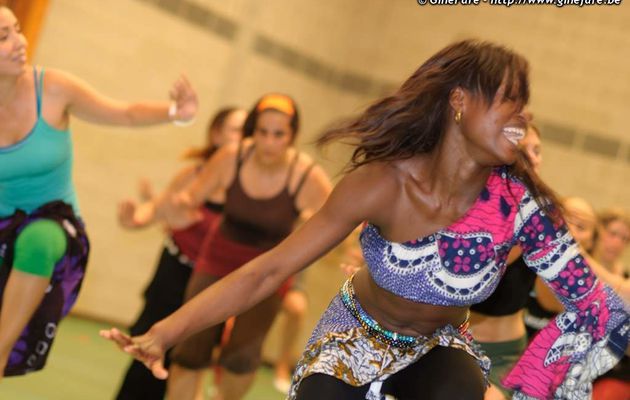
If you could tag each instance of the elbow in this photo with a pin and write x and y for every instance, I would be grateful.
(270, 279)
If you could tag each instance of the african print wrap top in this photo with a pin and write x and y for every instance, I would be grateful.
(462, 264)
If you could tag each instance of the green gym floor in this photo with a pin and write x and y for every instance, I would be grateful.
(82, 366)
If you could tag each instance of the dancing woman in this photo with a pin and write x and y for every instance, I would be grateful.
(434, 176)
(43, 244)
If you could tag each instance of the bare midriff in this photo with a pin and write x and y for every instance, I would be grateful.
(400, 315)
(497, 329)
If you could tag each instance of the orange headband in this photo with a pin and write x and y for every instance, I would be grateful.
(277, 102)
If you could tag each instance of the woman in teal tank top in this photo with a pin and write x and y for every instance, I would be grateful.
(43, 245)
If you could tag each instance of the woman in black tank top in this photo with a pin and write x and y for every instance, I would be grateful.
(266, 185)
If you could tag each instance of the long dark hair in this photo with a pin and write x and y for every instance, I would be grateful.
(214, 124)
(413, 119)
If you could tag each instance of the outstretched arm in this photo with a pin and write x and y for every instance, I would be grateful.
(586, 339)
(345, 209)
(82, 101)
(132, 215)
(216, 173)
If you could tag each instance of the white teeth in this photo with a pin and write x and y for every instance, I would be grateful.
(514, 134)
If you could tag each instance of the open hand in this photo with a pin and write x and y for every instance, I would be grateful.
(134, 216)
(180, 213)
(147, 349)
(126, 212)
(185, 97)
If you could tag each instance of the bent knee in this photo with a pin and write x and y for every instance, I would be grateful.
(242, 361)
(39, 246)
(190, 357)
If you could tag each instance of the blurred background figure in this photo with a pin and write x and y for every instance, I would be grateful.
(294, 307)
(613, 236)
(267, 186)
(165, 292)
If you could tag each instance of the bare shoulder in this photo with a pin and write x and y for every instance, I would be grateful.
(62, 87)
(367, 190)
(381, 177)
(223, 162)
(225, 153)
(306, 168)
(304, 159)
(56, 75)
(57, 81)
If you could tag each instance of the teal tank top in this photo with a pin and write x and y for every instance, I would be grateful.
(37, 169)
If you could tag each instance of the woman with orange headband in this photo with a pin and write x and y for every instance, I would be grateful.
(266, 185)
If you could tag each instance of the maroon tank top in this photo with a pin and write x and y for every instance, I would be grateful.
(260, 223)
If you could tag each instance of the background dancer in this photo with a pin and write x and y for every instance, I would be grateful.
(267, 185)
(165, 292)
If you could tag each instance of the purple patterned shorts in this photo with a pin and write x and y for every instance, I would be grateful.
(33, 346)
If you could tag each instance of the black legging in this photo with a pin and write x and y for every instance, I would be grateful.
(442, 374)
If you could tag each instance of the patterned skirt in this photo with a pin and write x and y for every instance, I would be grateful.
(33, 346)
(340, 346)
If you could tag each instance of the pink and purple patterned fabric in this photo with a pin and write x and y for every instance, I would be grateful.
(462, 264)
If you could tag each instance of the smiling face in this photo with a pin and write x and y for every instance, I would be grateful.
(273, 136)
(12, 44)
(492, 131)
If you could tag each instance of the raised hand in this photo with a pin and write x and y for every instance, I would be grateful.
(178, 211)
(132, 216)
(185, 98)
(126, 212)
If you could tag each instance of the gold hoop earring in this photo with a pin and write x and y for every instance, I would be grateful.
(458, 117)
